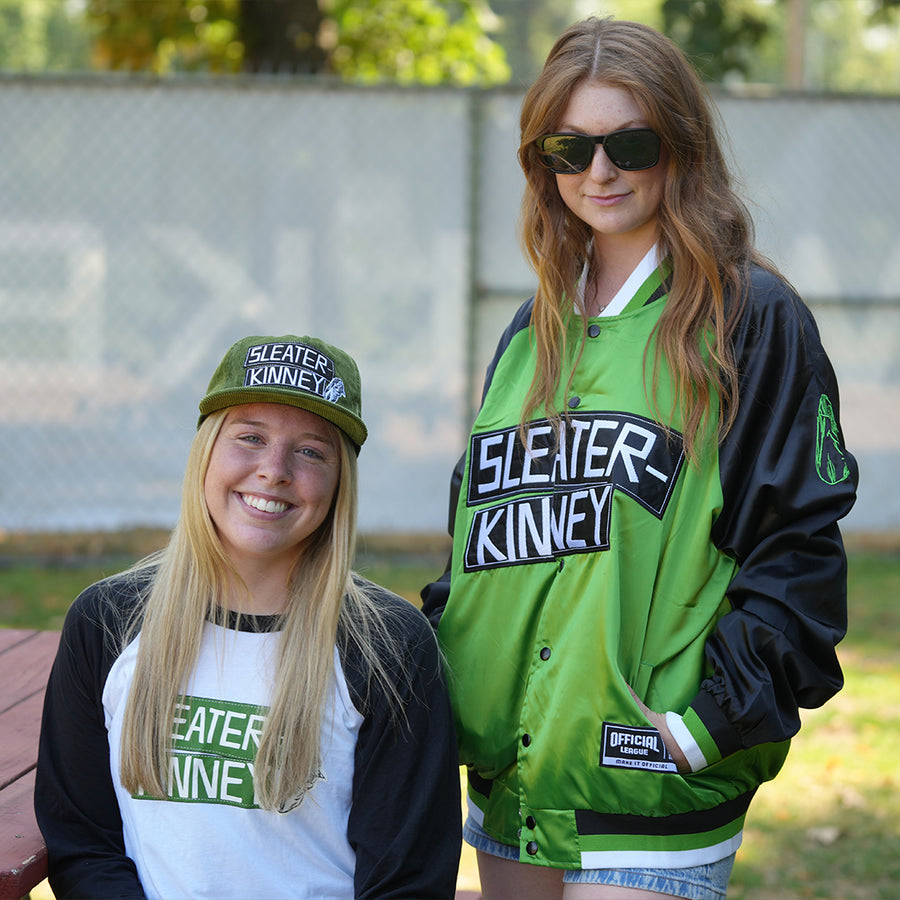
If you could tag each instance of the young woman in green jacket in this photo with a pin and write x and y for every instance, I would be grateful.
(647, 580)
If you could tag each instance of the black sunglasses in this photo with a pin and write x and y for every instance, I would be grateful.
(629, 149)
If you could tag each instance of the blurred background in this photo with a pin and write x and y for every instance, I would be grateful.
(176, 175)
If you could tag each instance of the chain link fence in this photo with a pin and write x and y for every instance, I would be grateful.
(145, 226)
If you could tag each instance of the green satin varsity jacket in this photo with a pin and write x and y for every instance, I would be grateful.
(716, 590)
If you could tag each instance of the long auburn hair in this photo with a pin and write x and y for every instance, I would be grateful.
(705, 229)
(329, 607)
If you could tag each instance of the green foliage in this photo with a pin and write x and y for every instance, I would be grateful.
(847, 46)
(528, 29)
(417, 42)
(719, 37)
(850, 50)
(164, 36)
(41, 36)
(401, 41)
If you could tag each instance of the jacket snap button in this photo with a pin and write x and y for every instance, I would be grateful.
(526, 740)
(574, 402)
(530, 822)
(545, 653)
(593, 330)
(531, 848)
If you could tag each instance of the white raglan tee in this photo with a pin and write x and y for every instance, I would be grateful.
(210, 831)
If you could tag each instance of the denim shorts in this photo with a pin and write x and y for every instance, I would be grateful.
(708, 882)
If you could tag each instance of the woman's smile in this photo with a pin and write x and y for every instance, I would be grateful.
(263, 505)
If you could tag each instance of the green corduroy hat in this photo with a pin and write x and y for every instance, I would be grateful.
(298, 371)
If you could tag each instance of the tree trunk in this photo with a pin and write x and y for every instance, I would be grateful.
(282, 36)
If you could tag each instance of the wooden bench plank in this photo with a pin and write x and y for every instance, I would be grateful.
(26, 665)
(25, 660)
(23, 856)
(19, 727)
(9, 637)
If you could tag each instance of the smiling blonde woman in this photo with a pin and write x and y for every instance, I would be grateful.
(235, 716)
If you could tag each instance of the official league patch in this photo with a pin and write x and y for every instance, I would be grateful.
(625, 746)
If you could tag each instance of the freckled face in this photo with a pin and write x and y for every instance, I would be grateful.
(272, 477)
(619, 206)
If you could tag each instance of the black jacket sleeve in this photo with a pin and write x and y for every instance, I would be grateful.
(405, 818)
(74, 798)
(786, 481)
(435, 595)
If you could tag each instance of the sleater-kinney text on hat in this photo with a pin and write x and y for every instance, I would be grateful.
(299, 371)
(293, 365)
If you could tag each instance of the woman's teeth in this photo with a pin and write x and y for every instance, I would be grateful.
(270, 506)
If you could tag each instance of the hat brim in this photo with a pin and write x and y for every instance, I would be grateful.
(350, 424)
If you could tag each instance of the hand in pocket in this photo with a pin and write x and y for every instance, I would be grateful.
(658, 720)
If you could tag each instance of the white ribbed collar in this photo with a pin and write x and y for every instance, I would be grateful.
(642, 271)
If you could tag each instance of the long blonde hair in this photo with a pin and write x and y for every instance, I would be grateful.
(328, 607)
(704, 227)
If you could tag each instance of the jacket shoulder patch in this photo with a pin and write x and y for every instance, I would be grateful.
(831, 462)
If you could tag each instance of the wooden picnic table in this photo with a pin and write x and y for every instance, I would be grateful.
(25, 660)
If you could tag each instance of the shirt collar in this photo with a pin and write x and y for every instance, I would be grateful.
(642, 271)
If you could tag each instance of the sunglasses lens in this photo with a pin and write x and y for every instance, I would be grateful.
(636, 148)
(566, 154)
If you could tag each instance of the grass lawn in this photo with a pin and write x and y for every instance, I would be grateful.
(827, 827)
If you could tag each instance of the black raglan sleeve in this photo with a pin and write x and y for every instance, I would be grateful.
(74, 798)
(786, 481)
(405, 817)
